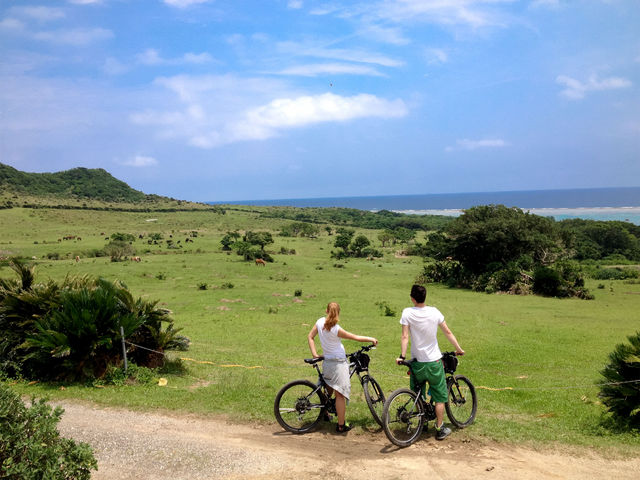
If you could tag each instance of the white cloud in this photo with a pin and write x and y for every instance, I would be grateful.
(295, 4)
(216, 110)
(316, 69)
(84, 2)
(77, 37)
(466, 144)
(140, 161)
(184, 3)
(388, 35)
(113, 66)
(152, 57)
(42, 14)
(471, 13)
(545, 3)
(435, 56)
(197, 58)
(305, 110)
(577, 90)
(8, 24)
(350, 55)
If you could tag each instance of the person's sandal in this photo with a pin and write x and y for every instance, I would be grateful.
(343, 428)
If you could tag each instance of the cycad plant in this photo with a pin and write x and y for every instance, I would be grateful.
(620, 392)
(80, 339)
(71, 330)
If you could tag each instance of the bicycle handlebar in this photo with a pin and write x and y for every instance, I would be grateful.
(408, 363)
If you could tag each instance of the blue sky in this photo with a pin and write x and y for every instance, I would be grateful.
(213, 100)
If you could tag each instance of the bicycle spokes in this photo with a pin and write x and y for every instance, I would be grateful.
(404, 417)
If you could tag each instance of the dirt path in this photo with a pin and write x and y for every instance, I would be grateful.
(155, 446)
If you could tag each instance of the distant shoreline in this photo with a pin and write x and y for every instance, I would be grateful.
(624, 214)
(589, 203)
(545, 212)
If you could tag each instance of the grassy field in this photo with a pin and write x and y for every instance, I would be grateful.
(548, 352)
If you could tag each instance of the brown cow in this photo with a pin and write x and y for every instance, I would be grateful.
(260, 261)
(77, 258)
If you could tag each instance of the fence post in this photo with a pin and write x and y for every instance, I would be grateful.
(124, 349)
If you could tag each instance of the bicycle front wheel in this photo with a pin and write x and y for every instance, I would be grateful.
(299, 406)
(374, 396)
(463, 403)
(403, 417)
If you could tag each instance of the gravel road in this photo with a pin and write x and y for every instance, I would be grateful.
(169, 446)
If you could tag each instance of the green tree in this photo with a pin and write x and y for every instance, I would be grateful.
(490, 234)
(358, 245)
(385, 237)
(119, 250)
(343, 238)
(403, 235)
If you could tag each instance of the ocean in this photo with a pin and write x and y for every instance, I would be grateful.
(588, 203)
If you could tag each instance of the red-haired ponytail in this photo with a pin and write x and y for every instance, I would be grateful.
(333, 316)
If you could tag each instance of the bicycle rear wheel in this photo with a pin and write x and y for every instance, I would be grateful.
(299, 406)
(463, 403)
(403, 417)
(374, 396)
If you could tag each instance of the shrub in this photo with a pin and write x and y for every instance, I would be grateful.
(118, 250)
(122, 237)
(616, 273)
(72, 330)
(202, 286)
(31, 447)
(298, 293)
(386, 310)
(546, 281)
(620, 392)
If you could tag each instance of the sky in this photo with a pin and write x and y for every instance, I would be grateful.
(227, 100)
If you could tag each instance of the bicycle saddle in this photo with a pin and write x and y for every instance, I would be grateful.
(313, 361)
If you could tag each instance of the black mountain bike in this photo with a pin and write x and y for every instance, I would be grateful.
(406, 411)
(301, 404)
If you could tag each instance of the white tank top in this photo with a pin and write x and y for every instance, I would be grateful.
(331, 344)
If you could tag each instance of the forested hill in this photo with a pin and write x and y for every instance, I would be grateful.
(82, 183)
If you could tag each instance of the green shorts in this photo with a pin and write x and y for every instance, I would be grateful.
(433, 373)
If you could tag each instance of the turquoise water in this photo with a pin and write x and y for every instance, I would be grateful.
(626, 214)
(588, 203)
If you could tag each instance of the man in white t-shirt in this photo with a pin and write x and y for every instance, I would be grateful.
(420, 324)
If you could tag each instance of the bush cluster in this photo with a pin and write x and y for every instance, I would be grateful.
(72, 330)
(249, 246)
(498, 249)
(31, 447)
(348, 246)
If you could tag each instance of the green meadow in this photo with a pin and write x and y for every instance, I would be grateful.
(535, 361)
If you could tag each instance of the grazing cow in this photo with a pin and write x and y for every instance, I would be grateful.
(135, 259)
(77, 258)
(260, 261)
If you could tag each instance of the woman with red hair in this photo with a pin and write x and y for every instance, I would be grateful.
(336, 365)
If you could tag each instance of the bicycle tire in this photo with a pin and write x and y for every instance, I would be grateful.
(374, 396)
(403, 417)
(463, 402)
(299, 406)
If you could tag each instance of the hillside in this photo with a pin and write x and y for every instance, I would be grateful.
(83, 183)
(81, 188)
